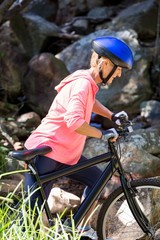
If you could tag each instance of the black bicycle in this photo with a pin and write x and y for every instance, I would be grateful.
(132, 211)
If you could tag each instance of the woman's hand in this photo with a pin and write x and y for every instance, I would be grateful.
(110, 134)
(116, 117)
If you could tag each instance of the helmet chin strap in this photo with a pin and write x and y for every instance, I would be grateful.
(105, 80)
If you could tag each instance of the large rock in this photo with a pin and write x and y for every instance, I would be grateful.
(140, 153)
(59, 200)
(13, 64)
(150, 111)
(141, 16)
(32, 30)
(45, 72)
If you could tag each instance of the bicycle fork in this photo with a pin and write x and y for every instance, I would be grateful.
(130, 194)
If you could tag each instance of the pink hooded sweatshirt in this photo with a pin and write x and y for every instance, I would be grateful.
(70, 109)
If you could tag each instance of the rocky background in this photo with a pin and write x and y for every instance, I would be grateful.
(42, 41)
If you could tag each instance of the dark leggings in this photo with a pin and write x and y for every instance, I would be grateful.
(45, 165)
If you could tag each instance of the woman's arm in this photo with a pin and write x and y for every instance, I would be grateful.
(87, 130)
(100, 109)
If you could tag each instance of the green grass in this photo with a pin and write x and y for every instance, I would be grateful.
(20, 223)
(27, 227)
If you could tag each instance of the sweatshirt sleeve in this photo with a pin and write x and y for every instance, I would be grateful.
(76, 109)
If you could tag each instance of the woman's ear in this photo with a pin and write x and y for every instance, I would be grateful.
(98, 57)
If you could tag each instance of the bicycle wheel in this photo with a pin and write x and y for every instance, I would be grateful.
(115, 219)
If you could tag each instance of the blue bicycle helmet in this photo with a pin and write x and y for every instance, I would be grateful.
(114, 49)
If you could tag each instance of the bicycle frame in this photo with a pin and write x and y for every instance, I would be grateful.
(113, 165)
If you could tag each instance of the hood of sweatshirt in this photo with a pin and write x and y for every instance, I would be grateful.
(76, 76)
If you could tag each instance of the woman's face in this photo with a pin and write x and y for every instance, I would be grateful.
(107, 67)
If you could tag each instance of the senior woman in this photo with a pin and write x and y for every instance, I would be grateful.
(67, 124)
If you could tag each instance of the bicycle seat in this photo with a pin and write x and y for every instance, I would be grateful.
(26, 155)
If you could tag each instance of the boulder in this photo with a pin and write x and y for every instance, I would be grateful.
(140, 152)
(59, 200)
(44, 73)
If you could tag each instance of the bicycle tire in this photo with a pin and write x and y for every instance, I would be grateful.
(115, 219)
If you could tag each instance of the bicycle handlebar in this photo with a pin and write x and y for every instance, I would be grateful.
(125, 127)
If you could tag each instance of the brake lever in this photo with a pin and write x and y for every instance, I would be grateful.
(130, 128)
